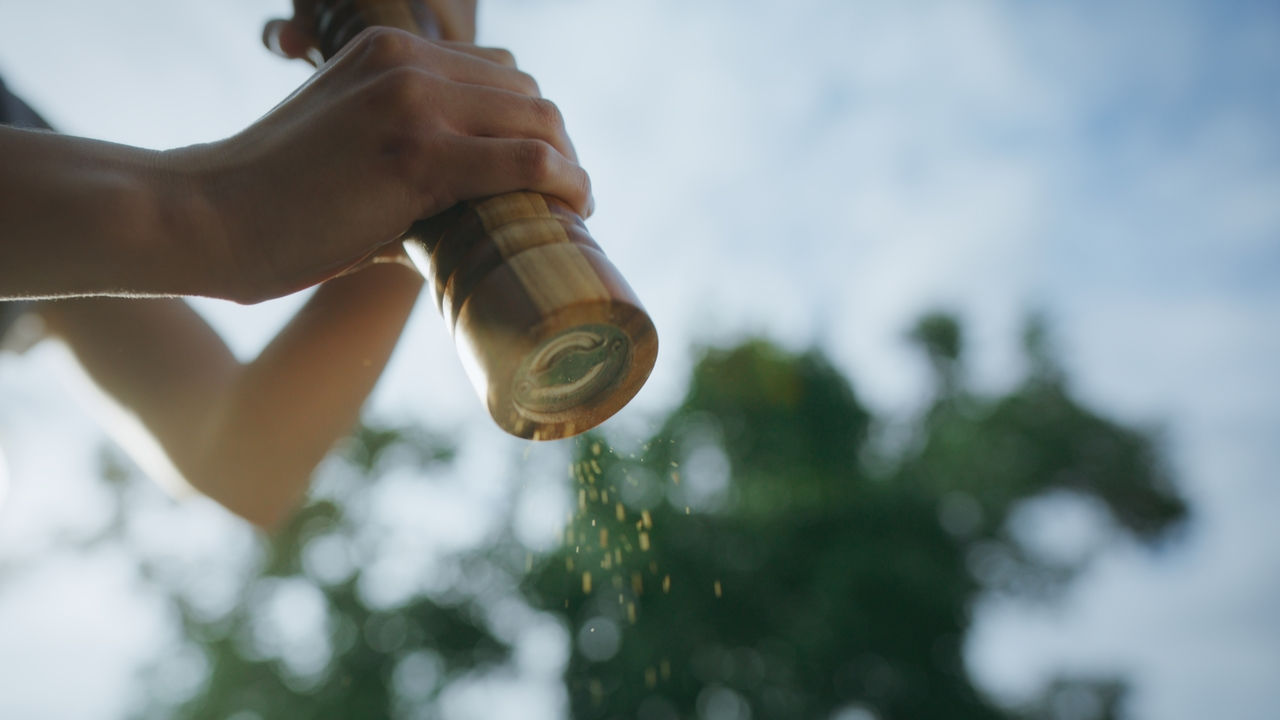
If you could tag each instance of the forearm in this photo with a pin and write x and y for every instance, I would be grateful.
(284, 410)
(84, 217)
(247, 435)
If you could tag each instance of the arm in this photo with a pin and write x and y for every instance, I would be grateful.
(86, 217)
(249, 435)
(392, 129)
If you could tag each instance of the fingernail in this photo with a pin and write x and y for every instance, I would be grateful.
(591, 206)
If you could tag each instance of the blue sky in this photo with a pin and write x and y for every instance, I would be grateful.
(820, 172)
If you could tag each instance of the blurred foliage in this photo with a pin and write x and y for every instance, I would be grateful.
(304, 636)
(767, 553)
(759, 558)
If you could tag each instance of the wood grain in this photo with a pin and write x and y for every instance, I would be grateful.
(551, 335)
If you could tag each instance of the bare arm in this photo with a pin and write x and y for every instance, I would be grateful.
(86, 217)
(247, 435)
(392, 129)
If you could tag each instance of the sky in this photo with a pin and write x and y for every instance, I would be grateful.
(819, 172)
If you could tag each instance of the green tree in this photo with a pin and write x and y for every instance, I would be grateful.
(357, 658)
(767, 553)
(763, 558)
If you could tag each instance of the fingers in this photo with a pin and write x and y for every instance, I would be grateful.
(462, 121)
(295, 38)
(492, 140)
(490, 112)
(491, 166)
(485, 66)
(381, 48)
(292, 40)
(500, 56)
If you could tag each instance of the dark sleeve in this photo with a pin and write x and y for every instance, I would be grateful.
(15, 112)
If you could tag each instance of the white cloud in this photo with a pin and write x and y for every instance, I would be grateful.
(826, 170)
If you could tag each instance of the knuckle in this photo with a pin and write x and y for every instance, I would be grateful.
(502, 56)
(384, 46)
(400, 90)
(578, 188)
(545, 113)
(525, 82)
(533, 159)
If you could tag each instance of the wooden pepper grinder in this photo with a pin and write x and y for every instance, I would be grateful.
(550, 334)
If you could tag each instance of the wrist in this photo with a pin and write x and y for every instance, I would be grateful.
(191, 238)
(150, 226)
(86, 217)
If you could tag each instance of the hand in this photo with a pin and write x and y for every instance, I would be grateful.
(295, 37)
(391, 129)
